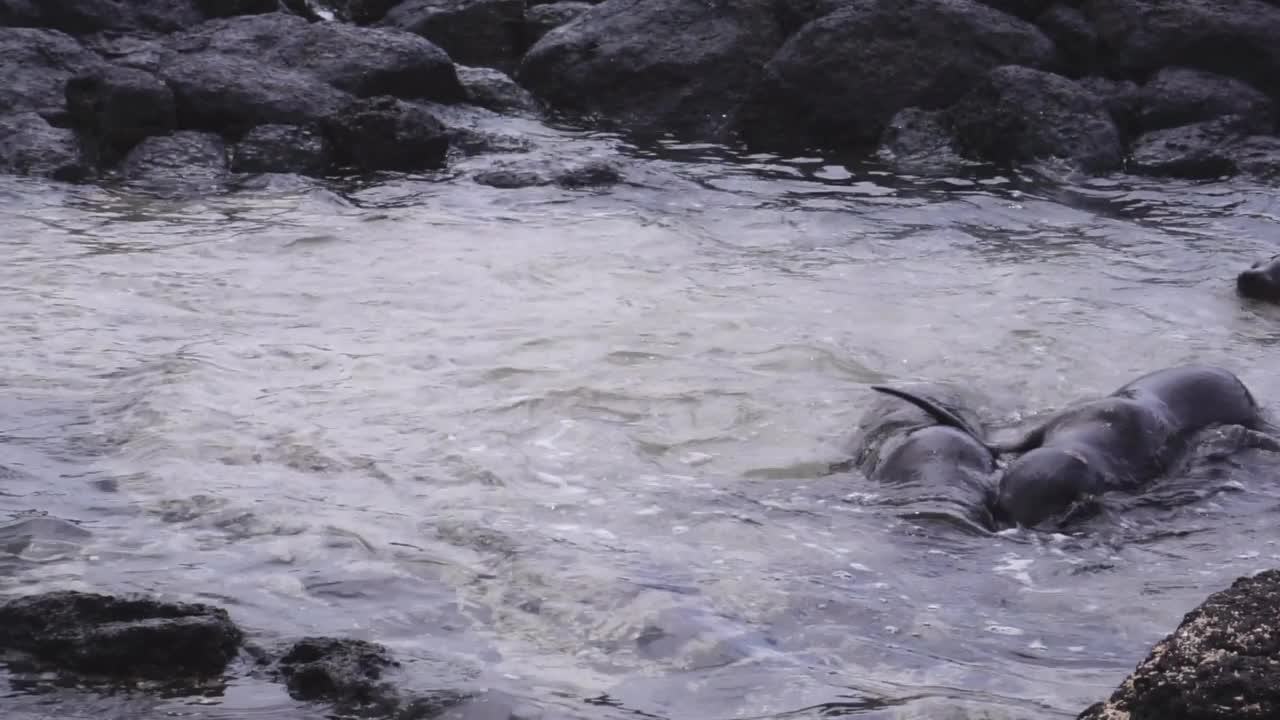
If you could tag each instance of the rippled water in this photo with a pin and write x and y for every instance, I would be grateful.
(563, 446)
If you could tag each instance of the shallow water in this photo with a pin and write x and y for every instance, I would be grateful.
(563, 447)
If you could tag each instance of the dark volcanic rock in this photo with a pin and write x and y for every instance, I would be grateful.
(1198, 151)
(1120, 97)
(1025, 9)
(88, 16)
(230, 8)
(1236, 38)
(916, 140)
(542, 19)
(229, 94)
(183, 163)
(838, 81)
(1221, 663)
(1074, 36)
(532, 172)
(388, 134)
(1181, 96)
(680, 65)
(1258, 156)
(36, 65)
(30, 146)
(495, 90)
(353, 675)
(282, 149)
(488, 33)
(1017, 114)
(119, 636)
(362, 61)
(118, 106)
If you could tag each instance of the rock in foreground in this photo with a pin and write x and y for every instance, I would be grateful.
(1223, 662)
(119, 636)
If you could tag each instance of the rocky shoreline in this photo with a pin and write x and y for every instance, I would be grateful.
(1223, 660)
(188, 92)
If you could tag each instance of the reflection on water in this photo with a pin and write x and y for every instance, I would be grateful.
(572, 440)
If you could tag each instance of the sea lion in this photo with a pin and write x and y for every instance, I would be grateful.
(1261, 281)
(1120, 441)
(930, 450)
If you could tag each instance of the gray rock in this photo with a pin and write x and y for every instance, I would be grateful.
(919, 140)
(117, 107)
(282, 149)
(838, 81)
(495, 90)
(1025, 9)
(89, 16)
(388, 134)
(1198, 151)
(1074, 36)
(36, 65)
(1181, 96)
(1221, 663)
(180, 164)
(1258, 156)
(679, 65)
(1016, 114)
(542, 19)
(29, 145)
(485, 33)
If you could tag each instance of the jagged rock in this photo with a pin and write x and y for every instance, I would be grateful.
(1016, 114)
(919, 140)
(1236, 38)
(838, 81)
(680, 65)
(29, 145)
(282, 149)
(36, 65)
(1197, 151)
(365, 62)
(388, 134)
(118, 106)
(542, 19)
(182, 163)
(495, 90)
(1181, 96)
(1221, 663)
(229, 95)
(119, 636)
(487, 33)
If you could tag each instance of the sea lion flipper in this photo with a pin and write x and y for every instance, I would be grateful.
(939, 413)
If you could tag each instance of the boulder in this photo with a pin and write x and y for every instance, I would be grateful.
(282, 149)
(81, 17)
(542, 19)
(29, 145)
(916, 140)
(1025, 9)
(359, 12)
(1016, 114)
(179, 164)
(116, 107)
(487, 33)
(1236, 38)
(387, 134)
(119, 636)
(1182, 96)
(1200, 150)
(365, 62)
(36, 65)
(837, 82)
(1258, 156)
(357, 677)
(231, 8)
(1121, 98)
(1221, 663)
(1074, 36)
(230, 95)
(656, 65)
(535, 172)
(495, 90)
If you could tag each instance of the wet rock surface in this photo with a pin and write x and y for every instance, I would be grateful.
(117, 107)
(119, 636)
(486, 33)
(184, 162)
(29, 145)
(1181, 96)
(1223, 661)
(495, 90)
(1198, 151)
(542, 19)
(36, 65)
(282, 149)
(387, 134)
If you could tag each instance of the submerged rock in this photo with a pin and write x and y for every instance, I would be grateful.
(1016, 114)
(653, 65)
(29, 145)
(356, 675)
(182, 163)
(918, 140)
(837, 82)
(534, 172)
(387, 134)
(119, 636)
(1198, 151)
(487, 33)
(1222, 662)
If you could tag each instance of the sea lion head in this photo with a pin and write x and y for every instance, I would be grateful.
(1261, 281)
(1042, 483)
